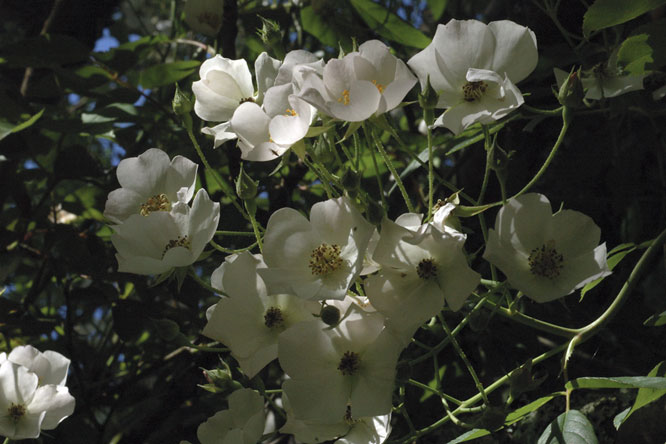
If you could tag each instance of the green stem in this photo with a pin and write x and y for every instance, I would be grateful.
(636, 274)
(468, 364)
(474, 399)
(427, 388)
(208, 349)
(348, 155)
(389, 165)
(378, 176)
(234, 233)
(547, 112)
(219, 247)
(537, 324)
(220, 181)
(551, 156)
(437, 348)
(324, 183)
(542, 170)
(255, 227)
(431, 174)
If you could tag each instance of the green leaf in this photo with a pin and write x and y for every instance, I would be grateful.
(569, 428)
(645, 395)
(649, 382)
(656, 32)
(656, 320)
(511, 418)
(389, 25)
(433, 383)
(437, 8)
(468, 436)
(315, 131)
(525, 410)
(7, 128)
(465, 211)
(634, 54)
(323, 29)
(167, 73)
(605, 13)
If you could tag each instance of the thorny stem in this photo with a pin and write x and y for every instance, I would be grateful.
(463, 356)
(219, 247)
(431, 174)
(220, 181)
(391, 167)
(255, 227)
(537, 176)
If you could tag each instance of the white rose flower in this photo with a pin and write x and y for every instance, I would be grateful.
(224, 85)
(50, 367)
(249, 321)
(368, 430)
(26, 407)
(316, 259)
(158, 242)
(420, 270)
(150, 182)
(339, 373)
(367, 82)
(242, 423)
(262, 136)
(545, 255)
(474, 67)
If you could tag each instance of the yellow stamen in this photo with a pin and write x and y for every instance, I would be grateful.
(291, 112)
(344, 98)
(159, 202)
(379, 86)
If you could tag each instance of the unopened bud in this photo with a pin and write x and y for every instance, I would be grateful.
(571, 92)
(181, 104)
(322, 152)
(246, 187)
(330, 315)
(428, 101)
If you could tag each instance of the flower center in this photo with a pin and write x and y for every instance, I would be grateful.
(16, 412)
(348, 416)
(379, 86)
(349, 363)
(344, 97)
(325, 259)
(273, 318)
(159, 202)
(427, 269)
(180, 241)
(291, 112)
(474, 90)
(545, 261)
(246, 99)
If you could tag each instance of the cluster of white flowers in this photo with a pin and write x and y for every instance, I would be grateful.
(156, 230)
(334, 300)
(33, 395)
